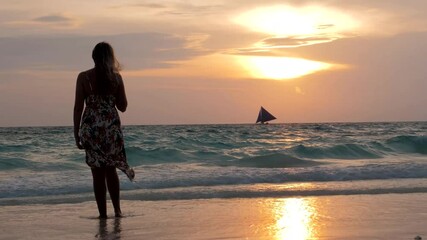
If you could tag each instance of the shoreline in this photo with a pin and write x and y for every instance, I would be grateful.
(241, 191)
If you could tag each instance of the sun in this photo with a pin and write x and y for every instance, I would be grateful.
(280, 68)
(276, 21)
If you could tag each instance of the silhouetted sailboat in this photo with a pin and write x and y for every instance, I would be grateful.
(264, 116)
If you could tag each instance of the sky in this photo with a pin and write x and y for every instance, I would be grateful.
(218, 62)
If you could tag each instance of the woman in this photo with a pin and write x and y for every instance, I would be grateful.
(99, 131)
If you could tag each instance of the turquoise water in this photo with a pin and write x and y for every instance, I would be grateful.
(42, 164)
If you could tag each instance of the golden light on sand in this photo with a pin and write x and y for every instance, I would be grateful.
(284, 20)
(280, 68)
(294, 219)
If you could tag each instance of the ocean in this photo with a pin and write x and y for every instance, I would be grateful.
(42, 164)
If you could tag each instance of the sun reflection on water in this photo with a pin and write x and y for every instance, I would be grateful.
(294, 219)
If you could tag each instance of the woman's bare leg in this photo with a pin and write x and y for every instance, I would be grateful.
(113, 185)
(100, 190)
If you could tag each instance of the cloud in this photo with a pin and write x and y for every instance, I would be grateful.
(295, 41)
(325, 26)
(150, 5)
(135, 51)
(268, 46)
(254, 51)
(154, 6)
(387, 53)
(298, 90)
(194, 10)
(177, 9)
(196, 41)
(53, 19)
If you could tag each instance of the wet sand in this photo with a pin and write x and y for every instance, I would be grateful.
(386, 216)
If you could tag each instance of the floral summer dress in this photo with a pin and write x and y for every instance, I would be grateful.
(101, 134)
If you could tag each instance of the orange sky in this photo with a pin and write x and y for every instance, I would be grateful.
(219, 61)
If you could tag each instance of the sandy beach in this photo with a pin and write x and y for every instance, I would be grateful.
(386, 216)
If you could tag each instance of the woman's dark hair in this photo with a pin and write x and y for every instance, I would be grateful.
(106, 67)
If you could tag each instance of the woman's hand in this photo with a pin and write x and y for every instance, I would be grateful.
(78, 143)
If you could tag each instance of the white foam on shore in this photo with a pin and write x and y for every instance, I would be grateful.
(292, 189)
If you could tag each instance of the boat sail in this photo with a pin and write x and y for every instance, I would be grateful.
(264, 116)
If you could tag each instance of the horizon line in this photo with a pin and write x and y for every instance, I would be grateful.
(199, 124)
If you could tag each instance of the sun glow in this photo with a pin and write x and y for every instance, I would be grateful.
(280, 68)
(283, 20)
(290, 27)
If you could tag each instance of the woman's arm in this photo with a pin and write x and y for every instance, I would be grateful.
(121, 100)
(78, 108)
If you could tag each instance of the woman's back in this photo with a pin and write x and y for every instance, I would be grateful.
(114, 96)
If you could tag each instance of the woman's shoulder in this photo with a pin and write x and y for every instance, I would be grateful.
(85, 75)
(117, 73)
(86, 72)
(83, 79)
(118, 77)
